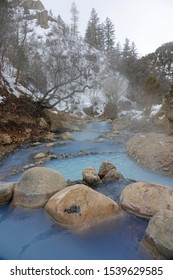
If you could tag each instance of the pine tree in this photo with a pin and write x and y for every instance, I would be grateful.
(126, 50)
(94, 31)
(74, 19)
(129, 57)
(61, 28)
(109, 35)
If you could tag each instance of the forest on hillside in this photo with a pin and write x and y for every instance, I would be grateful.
(58, 66)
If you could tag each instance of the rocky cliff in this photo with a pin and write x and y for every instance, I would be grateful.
(41, 14)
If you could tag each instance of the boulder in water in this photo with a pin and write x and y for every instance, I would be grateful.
(145, 199)
(159, 234)
(6, 192)
(90, 176)
(36, 186)
(152, 150)
(105, 167)
(80, 206)
(112, 175)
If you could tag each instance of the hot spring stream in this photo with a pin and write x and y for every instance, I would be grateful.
(32, 234)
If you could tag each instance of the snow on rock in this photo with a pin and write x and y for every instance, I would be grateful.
(155, 109)
(17, 90)
(132, 114)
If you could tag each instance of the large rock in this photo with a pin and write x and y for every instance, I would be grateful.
(105, 167)
(79, 206)
(145, 199)
(159, 234)
(62, 121)
(42, 19)
(152, 150)
(6, 192)
(33, 5)
(112, 175)
(90, 176)
(36, 186)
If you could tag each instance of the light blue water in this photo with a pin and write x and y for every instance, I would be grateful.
(26, 234)
(72, 168)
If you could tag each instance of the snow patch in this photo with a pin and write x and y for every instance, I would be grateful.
(132, 114)
(155, 109)
(18, 89)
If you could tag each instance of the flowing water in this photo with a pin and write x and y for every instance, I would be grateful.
(32, 234)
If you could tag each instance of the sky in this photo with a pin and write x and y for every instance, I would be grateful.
(148, 23)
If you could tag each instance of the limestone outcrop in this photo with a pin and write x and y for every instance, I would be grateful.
(79, 206)
(36, 186)
(159, 234)
(152, 150)
(145, 199)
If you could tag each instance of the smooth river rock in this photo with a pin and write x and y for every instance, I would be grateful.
(152, 150)
(90, 176)
(145, 199)
(36, 186)
(112, 175)
(6, 192)
(80, 206)
(159, 234)
(105, 167)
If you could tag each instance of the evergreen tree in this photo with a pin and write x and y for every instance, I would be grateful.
(109, 35)
(94, 32)
(129, 58)
(74, 19)
(61, 28)
(126, 53)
